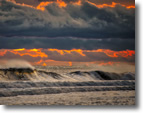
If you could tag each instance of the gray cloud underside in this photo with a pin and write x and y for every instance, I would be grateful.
(66, 43)
(86, 21)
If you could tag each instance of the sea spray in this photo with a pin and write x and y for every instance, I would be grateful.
(6, 64)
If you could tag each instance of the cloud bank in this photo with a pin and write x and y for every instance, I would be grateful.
(74, 55)
(85, 20)
(66, 43)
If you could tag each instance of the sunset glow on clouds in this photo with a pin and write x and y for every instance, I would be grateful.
(41, 4)
(84, 21)
(68, 32)
(42, 56)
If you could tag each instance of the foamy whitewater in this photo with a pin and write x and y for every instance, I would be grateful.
(18, 78)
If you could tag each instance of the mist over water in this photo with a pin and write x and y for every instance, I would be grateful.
(6, 64)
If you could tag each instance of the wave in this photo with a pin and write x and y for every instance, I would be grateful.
(100, 75)
(41, 75)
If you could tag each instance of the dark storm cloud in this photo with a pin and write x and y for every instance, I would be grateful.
(66, 43)
(86, 21)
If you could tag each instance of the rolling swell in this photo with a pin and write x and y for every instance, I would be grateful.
(29, 84)
(56, 90)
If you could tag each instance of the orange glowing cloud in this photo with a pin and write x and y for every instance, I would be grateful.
(108, 52)
(41, 52)
(13, 1)
(60, 3)
(110, 5)
(49, 56)
(3, 52)
(77, 3)
(44, 64)
(106, 63)
(103, 63)
(30, 52)
(39, 62)
(70, 63)
(22, 49)
(63, 4)
(42, 5)
(66, 63)
(111, 53)
(62, 52)
(50, 62)
(22, 52)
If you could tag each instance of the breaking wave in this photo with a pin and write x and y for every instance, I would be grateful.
(20, 78)
(100, 75)
(28, 73)
(22, 70)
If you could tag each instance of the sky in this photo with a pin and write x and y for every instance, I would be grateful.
(68, 32)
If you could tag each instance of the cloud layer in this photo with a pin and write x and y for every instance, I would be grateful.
(66, 43)
(85, 20)
(74, 55)
(99, 2)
